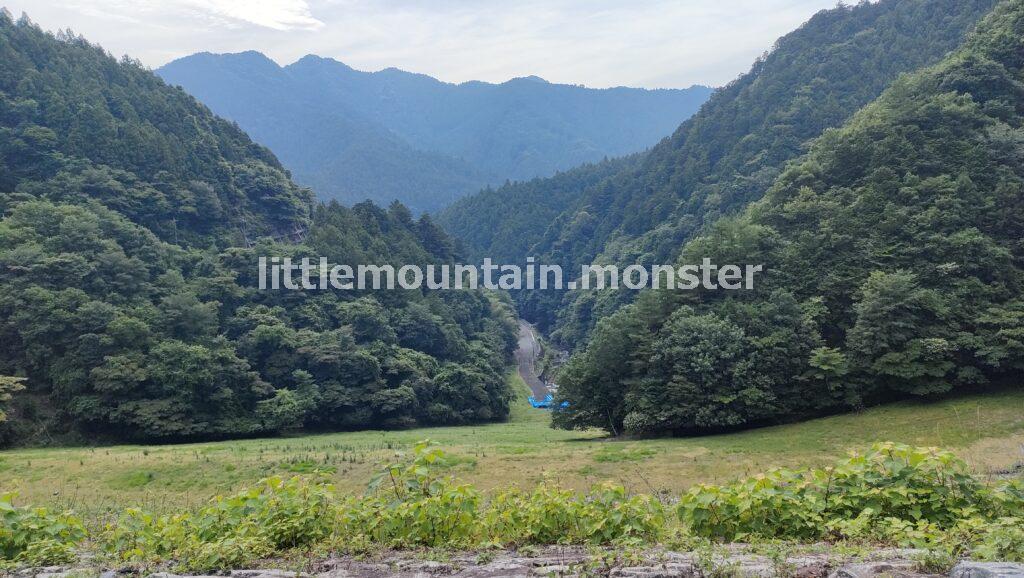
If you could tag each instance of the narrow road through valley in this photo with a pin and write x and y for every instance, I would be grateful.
(527, 356)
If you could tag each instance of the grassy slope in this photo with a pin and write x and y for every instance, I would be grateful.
(987, 430)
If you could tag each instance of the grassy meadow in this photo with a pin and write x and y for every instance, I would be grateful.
(986, 430)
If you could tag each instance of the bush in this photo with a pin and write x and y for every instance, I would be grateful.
(890, 490)
(276, 515)
(551, 515)
(1001, 540)
(37, 536)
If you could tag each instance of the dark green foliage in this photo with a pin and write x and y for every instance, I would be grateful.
(718, 161)
(519, 214)
(136, 337)
(133, 220)
(892, 255)
(388, 135)
(76, 124)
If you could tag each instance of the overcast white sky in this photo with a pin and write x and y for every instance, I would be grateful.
(599, 43)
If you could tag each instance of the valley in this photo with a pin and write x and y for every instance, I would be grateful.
(162, 409)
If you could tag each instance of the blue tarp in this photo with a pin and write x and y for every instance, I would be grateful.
(547, 403)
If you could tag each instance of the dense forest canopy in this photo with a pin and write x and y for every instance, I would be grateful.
(893, 253)
(132, 222)
(643, 210)
(354, 135)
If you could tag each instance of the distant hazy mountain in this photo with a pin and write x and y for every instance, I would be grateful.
(386, 135)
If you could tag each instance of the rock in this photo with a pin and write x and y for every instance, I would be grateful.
(360, 570)
(969, 569)
(52, 572)
(682, 568)
(169, 575)
(734, 560)
(557, 570)
(425, 567)
(750, 566)
(808, 567)
(651, 572)
(499, 569)
(872, 569)
(890, 554)
(263, 574)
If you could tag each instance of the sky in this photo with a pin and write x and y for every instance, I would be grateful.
(597, 43)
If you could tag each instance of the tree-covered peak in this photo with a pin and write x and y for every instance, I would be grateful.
(79, 124)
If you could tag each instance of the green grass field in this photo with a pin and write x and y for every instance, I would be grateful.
(987, 430)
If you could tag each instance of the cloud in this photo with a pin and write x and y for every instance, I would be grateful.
(650, 43)
(274, 14)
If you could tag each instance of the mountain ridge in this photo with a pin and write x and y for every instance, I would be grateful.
(719, 160)
(392, 134)
(311, 57)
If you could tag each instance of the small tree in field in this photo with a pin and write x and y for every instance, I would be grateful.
(8, 385)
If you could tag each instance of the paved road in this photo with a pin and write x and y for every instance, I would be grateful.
(526, 356)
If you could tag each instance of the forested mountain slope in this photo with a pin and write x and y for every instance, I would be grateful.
(78, 124)
(522, 212)
(724, 156)
(894, 267)
(391, 134)
(132, 222)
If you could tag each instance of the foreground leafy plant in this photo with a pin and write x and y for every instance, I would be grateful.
(915, 497)
(893, 493)
(37, 536)
(274, 516)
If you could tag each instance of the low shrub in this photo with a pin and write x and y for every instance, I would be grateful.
(37, 536)
(409, 504)
(891, 493)
(551, 515)
(276, 515)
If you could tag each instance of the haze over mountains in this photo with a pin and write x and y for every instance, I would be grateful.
(354, 135)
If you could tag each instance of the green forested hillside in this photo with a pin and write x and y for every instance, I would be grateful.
(132, 221)
(522, 212)
(893, 262)
(725, 156)
(78, 124)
